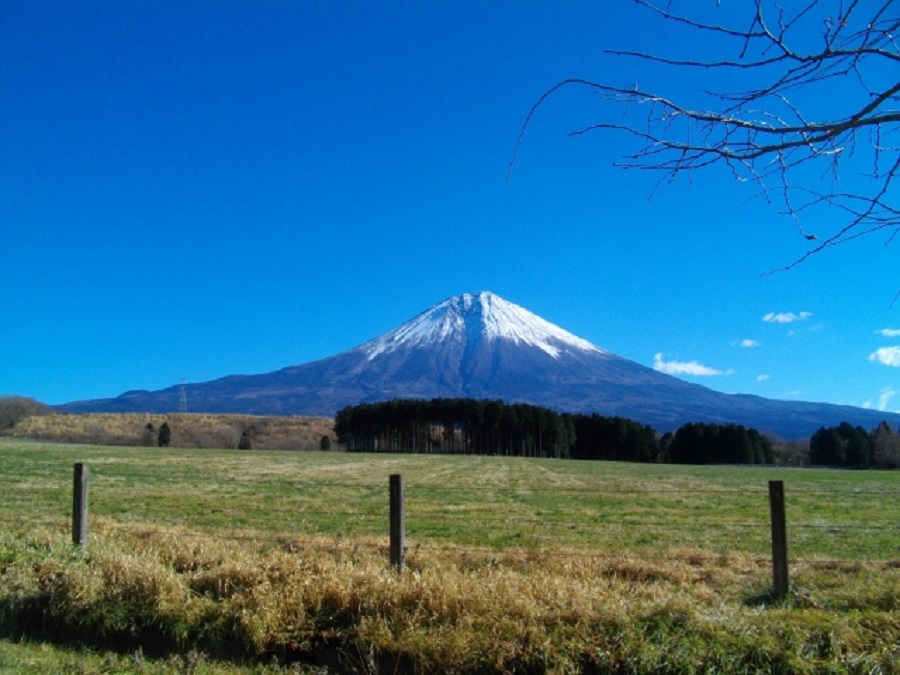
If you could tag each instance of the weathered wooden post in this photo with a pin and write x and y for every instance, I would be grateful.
(779, 539)
(80, 506)
(398, 522)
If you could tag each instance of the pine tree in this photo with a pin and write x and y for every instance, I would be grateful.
(165, 435)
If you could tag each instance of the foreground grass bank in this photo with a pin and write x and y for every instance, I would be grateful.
(198, 560)
(338, 605)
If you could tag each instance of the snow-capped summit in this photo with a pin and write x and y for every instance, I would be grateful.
(470, 319)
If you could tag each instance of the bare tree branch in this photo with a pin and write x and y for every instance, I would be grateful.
(763, 133)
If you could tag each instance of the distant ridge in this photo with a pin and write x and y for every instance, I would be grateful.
(482, 346)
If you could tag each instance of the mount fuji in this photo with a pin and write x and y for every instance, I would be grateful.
(482, 346)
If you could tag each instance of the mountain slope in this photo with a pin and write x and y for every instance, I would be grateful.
(482, 346)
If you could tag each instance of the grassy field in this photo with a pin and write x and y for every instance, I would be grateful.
(463, 501)
(514, 565)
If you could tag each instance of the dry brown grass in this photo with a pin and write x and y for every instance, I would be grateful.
(190, 430)
(339, 604)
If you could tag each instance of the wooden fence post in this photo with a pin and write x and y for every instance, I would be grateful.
(80, 506)
(398, 522)
(779, 539)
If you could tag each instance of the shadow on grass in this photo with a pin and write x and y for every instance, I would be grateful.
(796, 598)
(29, 619)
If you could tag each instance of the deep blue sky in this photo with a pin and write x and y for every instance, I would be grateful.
(191, 190)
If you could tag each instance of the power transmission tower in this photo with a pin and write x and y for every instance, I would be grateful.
(182, 397)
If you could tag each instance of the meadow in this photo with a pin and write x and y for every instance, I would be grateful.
(260, 561)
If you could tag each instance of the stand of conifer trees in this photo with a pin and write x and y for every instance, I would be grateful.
(455, 426)
(614, 438)
(481, 427)
(703, 443)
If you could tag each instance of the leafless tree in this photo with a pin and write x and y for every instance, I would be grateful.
(14, 409)
(812, 121)
(886, 447)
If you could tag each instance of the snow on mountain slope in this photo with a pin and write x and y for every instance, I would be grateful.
(473, 318)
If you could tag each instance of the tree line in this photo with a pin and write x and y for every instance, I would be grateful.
(455, 426)
(489, 427)
(703, 443)
(469, 426)
(846, 445)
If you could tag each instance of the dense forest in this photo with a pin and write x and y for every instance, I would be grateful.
(470, 426)
(850, 446)
(455, 426)
(718, 444)
(614, 438)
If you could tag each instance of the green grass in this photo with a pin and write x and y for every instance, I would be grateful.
(42, 657)
(219, 561)
(466, 501)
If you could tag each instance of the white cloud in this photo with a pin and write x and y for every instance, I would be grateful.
(785, 317)
(762, 378)
(746, 343)
(889, 332)
(883, 398)
(889, 356)
(886, 395)
(685, 367)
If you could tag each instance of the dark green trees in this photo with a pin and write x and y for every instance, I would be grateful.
(455, 426)
(469, 426)
(614, 438)
(165, 435)
(719, 444)
(844, 445)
